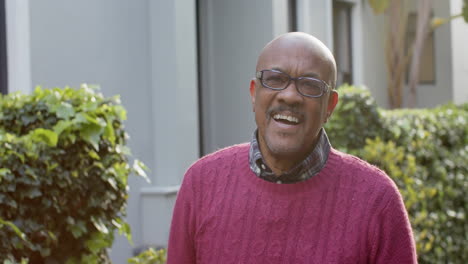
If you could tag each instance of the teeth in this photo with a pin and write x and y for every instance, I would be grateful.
(289, 118)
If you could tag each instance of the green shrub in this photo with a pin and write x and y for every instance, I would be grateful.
(425, 151)
(150, 256)
(357, 107)
(63, 175)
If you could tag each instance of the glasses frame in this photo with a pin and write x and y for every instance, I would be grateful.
(325, 87)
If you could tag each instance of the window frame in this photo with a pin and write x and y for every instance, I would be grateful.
(3, 50)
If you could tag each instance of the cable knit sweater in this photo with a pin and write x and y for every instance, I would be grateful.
(350, 212)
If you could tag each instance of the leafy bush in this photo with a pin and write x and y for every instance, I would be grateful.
(425, 151)
(357, 107)
(63, 175)
(150, 256)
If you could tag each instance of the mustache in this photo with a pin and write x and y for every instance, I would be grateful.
(285, 108)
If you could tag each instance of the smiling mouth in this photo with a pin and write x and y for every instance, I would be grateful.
(286, 119)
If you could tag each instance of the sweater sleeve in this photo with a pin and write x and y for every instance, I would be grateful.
(181, 247)
(391, 237)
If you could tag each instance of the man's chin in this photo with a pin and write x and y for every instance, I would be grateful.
(284, 149)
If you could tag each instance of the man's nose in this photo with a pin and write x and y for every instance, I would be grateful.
(290, 94)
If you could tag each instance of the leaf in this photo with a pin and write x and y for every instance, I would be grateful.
(78, 229)
(44, 251)
(121, 112)
(100, 226)
(94, 155)
(64, 110)
(113, 183)
(61, 126)
(27, 119)
(33, 193)
(120, 170)
(140, 168)
(124, 229)
(109, 133)
(379, 6)
(91, 133)
(45, 135)
(17, 231)
(3, 173)
(97, 242)
(52, 235)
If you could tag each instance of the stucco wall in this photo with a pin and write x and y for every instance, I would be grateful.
(146, 52)
(373, 74)
(459, 52)
(232, 35)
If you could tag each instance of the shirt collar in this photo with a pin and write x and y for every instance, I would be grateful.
(306, 169)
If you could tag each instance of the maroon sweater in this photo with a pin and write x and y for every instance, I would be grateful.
(350, 212)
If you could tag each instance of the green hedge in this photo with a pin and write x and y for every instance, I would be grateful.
(425, 151)
(63, 175)
(150, 256)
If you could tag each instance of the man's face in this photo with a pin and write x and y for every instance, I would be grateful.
(288, 123)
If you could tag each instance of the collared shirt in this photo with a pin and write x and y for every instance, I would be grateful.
(306, 169)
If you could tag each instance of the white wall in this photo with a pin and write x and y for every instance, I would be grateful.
(175, 111)
(373, 73)
(232, 36)
(17, 28)
(100, 42)
(315, 17)
(459, 54)
(146, 52)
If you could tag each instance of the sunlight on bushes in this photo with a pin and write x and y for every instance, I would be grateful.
(425, 151)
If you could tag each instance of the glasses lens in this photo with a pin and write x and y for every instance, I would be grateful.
(310, 87)
(275, 80)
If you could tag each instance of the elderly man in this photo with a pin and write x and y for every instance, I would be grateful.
(288, 196)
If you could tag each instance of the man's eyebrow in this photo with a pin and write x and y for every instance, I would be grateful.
(311, 74)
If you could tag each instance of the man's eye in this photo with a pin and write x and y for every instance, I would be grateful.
(276, 79)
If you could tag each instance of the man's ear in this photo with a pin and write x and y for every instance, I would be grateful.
(332, 101)
(252, 93)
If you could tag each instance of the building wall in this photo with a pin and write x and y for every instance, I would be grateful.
(18, 46)
(105, 43)
(232, 35)
(369, 52)
(459, 54)
(143, 50)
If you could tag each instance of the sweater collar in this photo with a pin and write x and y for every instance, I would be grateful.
(306, 169)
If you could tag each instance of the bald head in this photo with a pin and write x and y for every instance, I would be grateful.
(297, 47)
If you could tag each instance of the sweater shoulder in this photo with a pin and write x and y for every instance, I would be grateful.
(372, 184)
(220, 157)
(362, 170)
(223, 154)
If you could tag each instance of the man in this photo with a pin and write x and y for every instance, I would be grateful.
(288, 196)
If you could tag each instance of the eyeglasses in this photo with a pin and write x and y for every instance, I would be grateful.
(306, 86)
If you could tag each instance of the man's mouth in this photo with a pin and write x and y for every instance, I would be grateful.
(286, 119)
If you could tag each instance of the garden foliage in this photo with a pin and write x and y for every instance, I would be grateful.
(425, 151)
(63, 176)
(150, 256)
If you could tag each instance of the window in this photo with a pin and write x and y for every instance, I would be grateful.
(292, 15)
(3, 50)
(342, 41)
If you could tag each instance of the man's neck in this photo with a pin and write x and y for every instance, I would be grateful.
(281, 164)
